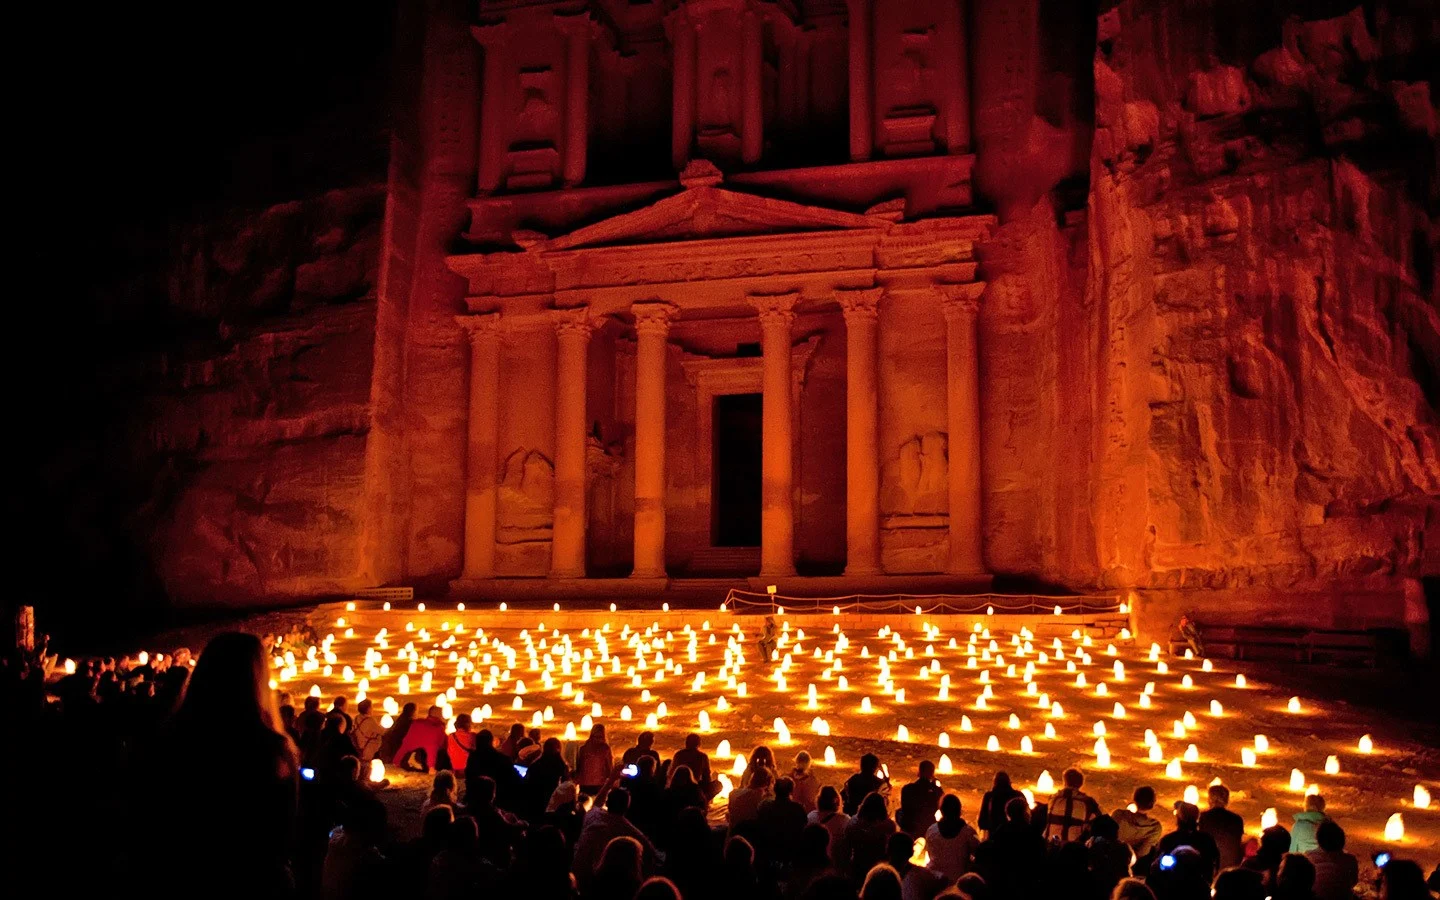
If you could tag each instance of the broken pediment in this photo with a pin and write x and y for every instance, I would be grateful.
(703, 212)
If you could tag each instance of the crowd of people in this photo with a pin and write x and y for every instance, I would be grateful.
(177, 773)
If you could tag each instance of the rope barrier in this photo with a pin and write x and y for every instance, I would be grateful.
(755, 603)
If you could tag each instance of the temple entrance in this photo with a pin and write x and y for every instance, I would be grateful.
(735, 487)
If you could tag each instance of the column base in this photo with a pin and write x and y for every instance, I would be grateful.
(566, 575)
(784, 573)
(853, 571)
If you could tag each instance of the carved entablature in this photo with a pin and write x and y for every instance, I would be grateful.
(710, 247)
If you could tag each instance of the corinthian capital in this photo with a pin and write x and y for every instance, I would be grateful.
(653, 317)
(573, 320)
(479, 325)
(960, 300)
(775, 307)
(861, 305)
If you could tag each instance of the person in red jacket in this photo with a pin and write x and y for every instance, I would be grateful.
(459, 743)
(427, 737)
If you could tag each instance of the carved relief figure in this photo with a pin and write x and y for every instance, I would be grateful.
(923, 461)
(527, 497)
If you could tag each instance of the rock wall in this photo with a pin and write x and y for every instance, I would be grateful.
(252, 425)
(1261, 293)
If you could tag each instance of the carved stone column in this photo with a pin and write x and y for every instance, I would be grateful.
(862, 124)
(492, 90)
(862, 441)
(572, 335)
(682, 87)
(577, 30)
(961, 308)
(777, 513)
(752, 119)
(482, 455)
(652, 328)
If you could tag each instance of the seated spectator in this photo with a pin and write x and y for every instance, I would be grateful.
(693, 758)
(1187, 833)
(812, 859)
(514, 740)
(1336, 872)
(442, 793)
(352, 856)
(863, 783)
(413, 859)
(1131, 889)
(1181, 873)
(994, 803)
(658, 887)
(866, 837)
(1302, 831)
(1139, 830)
(970, 887)
(395, 735)
(425, 739)
(882, 882)
(647, 797)
(693, 856)
(602, 825)
(683, 793)
(916, 882)
(485, 760)
(807, 786)
(918, 802)
(1071, 810)
(619, 873)
(367, 733)
(780, 820)
(745, 802)
(951, 842)
(1226, 827)
(460, 743)
(340, 707)
(1274, 844)
(1107, 858)
(644, 746)
(1236, 883)
(1011, 859)
(738, 877)
(1295, 880)
(458, 870)
(827, 815)
(1402, 879)
(761, 759)
(542, 867)
(496, 831)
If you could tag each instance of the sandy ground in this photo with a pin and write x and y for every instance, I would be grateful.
(1366, 791)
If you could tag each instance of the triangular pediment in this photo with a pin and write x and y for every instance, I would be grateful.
(705, 213)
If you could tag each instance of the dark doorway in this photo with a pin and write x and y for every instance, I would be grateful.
(735, 488)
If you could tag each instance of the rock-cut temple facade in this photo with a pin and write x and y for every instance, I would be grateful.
(849, 295)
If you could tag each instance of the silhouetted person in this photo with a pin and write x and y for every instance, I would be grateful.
(544, 774)
(862, 784)
(542, 867)
(485, 760)
(693, 856)
(644, 746)
(395, 736)
(827, 815)
(1226, 827)
(1336, 872)
(881, 882)
(807, 786)
(1071, 810)
(866, 837)
(602, 825)
(367, 733)
(693, 758)
(1107, 857)
(459, 744)
(1302, 831)
(780, 822)
(916, 882)
(658, 888)
(1187, 833)
(497, 831)
(1139, 830)
(951, 842)
(918, 802)
(594, 761)
(224, 755)
(1295, 879)
(1274, 844)
(1010, 859)
(1180, 874)
(993, 804)
(1236, 883)
(619, 872)
(424, 740)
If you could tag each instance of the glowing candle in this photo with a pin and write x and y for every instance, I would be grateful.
(704, 718)
(965, 724)
(1119, 670)
(1172, 770)
(829, 756)
(944, 739)
(1057, 711)
(1262, 743)
(1239, 681)
(1045, 784)
(377, 771)
(1049, 731)
(1422, 797)
(1179, 729)
(538, 719)
(1269, 819)
(723, 748)
(1102, 753)
(625, 713)
(722, 704)
(1332, 765)
(993, 744)
(1144, 701)
(1367, 744)
(865, 706)
(1192, 754)
(1119, 710)
(811, 702)
(1027, 745)
(569, 731)
(1187, 682)
(1297, 780)
(387, 720)
(1395, 828)
(1294, 705)
(945, 767)
(1216, 709)
(1189, 719)
(902, 734)
(1156, 754)
(1014, 722)
(1247, 757)
(739, 767)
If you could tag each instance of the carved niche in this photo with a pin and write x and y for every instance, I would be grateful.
(526, 498)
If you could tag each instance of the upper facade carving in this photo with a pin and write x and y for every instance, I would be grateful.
(606, 92)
